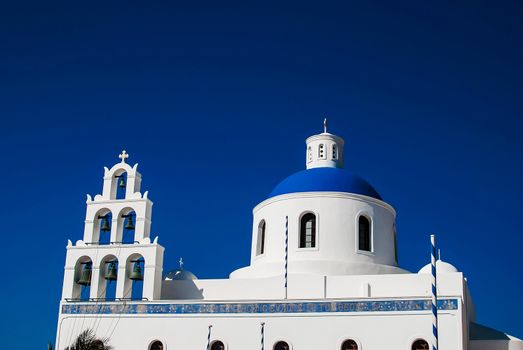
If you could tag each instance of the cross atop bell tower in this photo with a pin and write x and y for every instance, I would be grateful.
(123, 156)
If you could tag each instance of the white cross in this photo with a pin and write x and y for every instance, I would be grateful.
(123, 156)
(181, 264)
(325, 125)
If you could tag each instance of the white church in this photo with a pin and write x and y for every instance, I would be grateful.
(323, 275)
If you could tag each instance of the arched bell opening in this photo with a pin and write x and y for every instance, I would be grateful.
(108, 277)
(135, 273)
(120, 184)
(102, 225)
(83, 272)
(126, 226)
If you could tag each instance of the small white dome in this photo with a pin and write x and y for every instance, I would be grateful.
(441, 267)
(178, 275)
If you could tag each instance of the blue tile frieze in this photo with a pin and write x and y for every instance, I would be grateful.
(259, 308)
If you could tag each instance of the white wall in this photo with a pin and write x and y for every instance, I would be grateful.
(303, 332)
(302, 286)
(336, 251)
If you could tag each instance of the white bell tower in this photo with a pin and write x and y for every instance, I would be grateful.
(128, 256)
(324, 150)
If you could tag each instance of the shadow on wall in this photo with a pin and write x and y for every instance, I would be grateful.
(485, 338)
(184, 289)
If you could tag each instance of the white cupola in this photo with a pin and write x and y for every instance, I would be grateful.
(324, 150)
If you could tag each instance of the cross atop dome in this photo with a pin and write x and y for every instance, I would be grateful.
(325, 125)
(123, 156)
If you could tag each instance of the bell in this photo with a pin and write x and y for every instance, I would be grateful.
(130, 224)
(122, 182)
(105, 225)
(111, 274)
(136, 274)
(85, 275)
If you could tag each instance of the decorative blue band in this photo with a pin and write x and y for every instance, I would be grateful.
(260, 308)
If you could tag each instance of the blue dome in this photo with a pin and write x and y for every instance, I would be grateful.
(326, 180)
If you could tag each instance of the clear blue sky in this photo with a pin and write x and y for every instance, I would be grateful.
(215, 100)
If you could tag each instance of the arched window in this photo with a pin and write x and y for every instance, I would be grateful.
(260, 245)
(309, 154)
(321, 151)
(420, 344)
(364, 234)
(217, 345)
(334, 152)
(97, 344)
(308, 231)
(281, 345)
(156, 345)
(349, 344)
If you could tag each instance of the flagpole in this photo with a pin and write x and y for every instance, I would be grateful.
(434, 295)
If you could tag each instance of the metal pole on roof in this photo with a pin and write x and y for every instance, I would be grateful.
(434, 295)
(208, 338)
(286, 252)
(262, 335)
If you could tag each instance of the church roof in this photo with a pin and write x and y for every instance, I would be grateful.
(441, 267)
(178, 275)
(325, 179)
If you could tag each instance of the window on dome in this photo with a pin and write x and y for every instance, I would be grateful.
(364, 234)
(260, 245)
(334, 152)
(217, 345)
(349, 344)
(308, 231)
(281, 345)
(156, 345)
(309, 154)
(321, 151)
(420, 344)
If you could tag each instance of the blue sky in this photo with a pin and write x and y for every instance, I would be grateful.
(215, 100)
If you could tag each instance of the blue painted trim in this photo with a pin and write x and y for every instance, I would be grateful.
(260, 308)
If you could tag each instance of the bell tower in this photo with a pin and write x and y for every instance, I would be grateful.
(116, 245)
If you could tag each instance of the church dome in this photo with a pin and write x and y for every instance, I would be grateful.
(441, 267)
(178, 275)
(325, 179)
